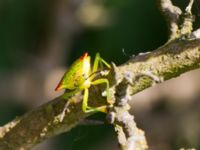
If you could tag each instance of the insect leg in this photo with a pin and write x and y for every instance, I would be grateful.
(96, 62)
(88, 109)
(100, 81)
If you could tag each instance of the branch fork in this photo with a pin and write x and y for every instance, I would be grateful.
(180, 24)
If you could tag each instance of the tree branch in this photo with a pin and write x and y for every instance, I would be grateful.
(177, 56)
(168, 61)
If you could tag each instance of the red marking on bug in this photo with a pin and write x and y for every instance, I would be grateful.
(84, 56)
(58, 87)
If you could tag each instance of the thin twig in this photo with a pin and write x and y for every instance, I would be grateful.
(172, 15)
(187, 26)
(179, 24)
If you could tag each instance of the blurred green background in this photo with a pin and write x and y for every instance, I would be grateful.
(40, 39)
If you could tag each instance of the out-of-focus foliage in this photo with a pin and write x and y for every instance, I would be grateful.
(132, 23)
(23, 26)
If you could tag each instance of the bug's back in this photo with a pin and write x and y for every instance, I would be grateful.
(76, 74)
